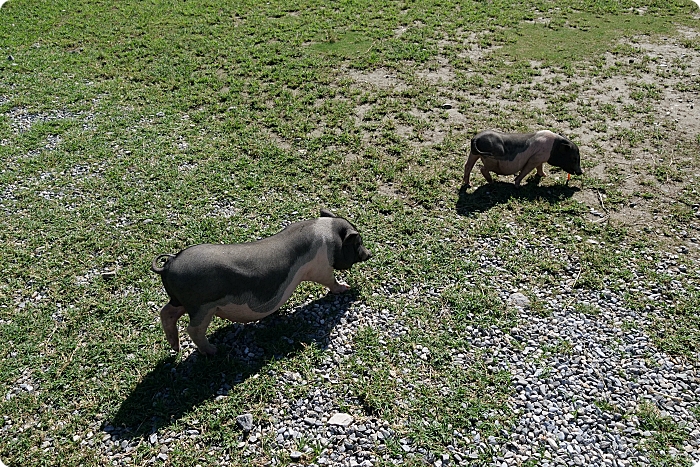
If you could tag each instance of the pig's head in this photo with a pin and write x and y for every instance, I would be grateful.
(351, 250)
(565, 155)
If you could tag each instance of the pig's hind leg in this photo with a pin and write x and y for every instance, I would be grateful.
(473, 157)
(199, 321)
(168, 320)
(487, 175)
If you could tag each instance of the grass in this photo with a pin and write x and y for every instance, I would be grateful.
(575, 36)
(664, 432)
(136, 128)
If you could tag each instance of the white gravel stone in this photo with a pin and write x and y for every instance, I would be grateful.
(519, 300)
(341, 419)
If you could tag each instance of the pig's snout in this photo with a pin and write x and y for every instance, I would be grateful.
(365, 255)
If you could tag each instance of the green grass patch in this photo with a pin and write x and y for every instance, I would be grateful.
(559, 40)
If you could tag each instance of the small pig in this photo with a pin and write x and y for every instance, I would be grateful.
(508, 153)
(248, 281)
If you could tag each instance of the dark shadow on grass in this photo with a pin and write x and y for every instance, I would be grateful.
(172, 388)
(487, 196)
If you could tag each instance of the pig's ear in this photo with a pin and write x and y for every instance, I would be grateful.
(351, 236)
(347, 253)
(327, 213)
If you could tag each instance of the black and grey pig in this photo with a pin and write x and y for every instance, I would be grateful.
(248, 281)
(508, 153)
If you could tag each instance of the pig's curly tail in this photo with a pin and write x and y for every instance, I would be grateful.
(159, 269)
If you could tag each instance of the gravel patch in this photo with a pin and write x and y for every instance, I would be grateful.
(316, 417)
(21, 119)
(579, 380)
(24, 384)
(559, 397)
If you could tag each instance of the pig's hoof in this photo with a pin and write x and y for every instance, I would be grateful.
(174, 342)
(341, 287)
(209, 350)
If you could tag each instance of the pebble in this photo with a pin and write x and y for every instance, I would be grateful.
(245, 422)
(519, 300)
(340, 419)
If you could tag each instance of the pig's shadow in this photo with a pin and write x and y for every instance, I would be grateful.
(487, 196)
(173, 388)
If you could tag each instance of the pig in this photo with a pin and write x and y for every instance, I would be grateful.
(509, 153)
(247, 281)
